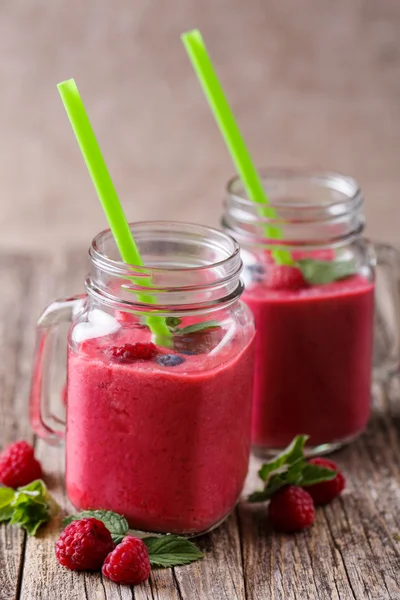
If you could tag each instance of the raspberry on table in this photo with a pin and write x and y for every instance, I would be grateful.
(132, 352)
(18, 466)
(285, 277)
(291, 509)
(169, 360)
(324, 492)
(129, 563)
(83, 545)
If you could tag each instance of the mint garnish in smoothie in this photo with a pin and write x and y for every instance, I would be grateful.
(198, 338)
(319, 272)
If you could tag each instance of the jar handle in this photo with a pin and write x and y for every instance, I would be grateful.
(44, 422)
(387, 312)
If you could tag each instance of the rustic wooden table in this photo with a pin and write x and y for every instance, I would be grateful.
(352, 551)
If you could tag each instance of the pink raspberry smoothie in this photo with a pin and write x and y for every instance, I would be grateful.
(313, 361)
(167, 447)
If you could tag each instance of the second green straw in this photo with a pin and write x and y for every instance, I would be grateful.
(234, 141)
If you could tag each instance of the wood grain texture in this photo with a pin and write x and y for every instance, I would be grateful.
(220, 571)
(352, 551)
(20, 296)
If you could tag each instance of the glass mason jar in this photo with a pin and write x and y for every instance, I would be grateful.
(314, 315)
(158, 424)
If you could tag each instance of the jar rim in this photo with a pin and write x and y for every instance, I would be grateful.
(118, 267)
(344, 184)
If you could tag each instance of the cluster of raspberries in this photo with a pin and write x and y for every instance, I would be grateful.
(87, 545)
(292, 508)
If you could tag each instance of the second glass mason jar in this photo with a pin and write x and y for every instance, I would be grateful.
(309, 279)
(158, 426)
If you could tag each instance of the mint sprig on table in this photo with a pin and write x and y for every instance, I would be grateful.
(319, 272)
(174, 322)
(171, 551)
(28, 507)
(289, 468)
(164, 550)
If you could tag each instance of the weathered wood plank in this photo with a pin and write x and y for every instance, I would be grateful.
(20, 296)
(219, 574)
(40, 576)
(352, 550)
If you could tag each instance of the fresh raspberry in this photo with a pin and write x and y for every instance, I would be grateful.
(285, 277)
(324, 492)
(18, 466)
(131, 352)
(291, 509)
(83, 545)
(129, 563)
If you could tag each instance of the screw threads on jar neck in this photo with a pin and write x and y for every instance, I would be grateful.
(311, 209)
(188, 268)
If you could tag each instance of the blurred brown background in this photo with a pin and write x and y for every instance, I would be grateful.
(312, 82)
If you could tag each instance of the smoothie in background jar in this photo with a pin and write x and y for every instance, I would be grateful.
(158, 428)
(314, 317)
(313, 360)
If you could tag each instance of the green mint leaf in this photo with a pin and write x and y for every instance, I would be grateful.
(173, 322)
(6, 496)
(276, 483)
(30, 516)
(31, 507)
(290, 455)
(203, 326)
(258, 496)
(171, 551)
(312, 474)
(286, 475)
(292, 476)
(319, 272)
(284, 469)
(37, 489)
(116, 525)
(6, 513)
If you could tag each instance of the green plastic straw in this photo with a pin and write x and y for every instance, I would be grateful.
(235, 143)
(107, 194)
